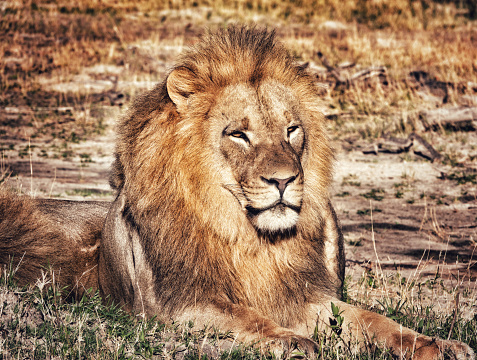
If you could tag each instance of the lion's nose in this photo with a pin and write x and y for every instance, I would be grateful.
(281, 184)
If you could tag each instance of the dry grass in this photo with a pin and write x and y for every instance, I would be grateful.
(55, 37)
(56, 40)
(37, 323)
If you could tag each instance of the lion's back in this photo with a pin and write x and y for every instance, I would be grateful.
(40, 233)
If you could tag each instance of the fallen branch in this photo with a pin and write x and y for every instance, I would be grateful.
(361, 75)
(368, 73)
(456, 118)
(392, 145)
(428, 152)
(335, 73)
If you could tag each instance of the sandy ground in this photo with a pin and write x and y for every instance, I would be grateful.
(408, 233)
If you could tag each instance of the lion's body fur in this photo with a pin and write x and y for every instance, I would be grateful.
(41, 234)
(222, 213)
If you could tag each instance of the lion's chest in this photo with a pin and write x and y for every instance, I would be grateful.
(273, 282)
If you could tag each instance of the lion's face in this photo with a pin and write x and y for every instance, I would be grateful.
(259, 138)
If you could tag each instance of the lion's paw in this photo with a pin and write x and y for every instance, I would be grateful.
(457, 350)
(295, 344)
(445, 349)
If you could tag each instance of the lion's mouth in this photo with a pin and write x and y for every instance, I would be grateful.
(279, 217)
(278, 206)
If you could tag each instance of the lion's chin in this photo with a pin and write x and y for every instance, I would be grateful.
(277, 219)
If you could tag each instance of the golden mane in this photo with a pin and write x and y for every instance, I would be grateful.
(233, 55)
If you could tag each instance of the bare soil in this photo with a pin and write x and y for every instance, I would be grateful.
(416, 222)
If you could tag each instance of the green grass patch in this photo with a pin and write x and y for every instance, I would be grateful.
(463, 178)
(367, 211)
(374, 194)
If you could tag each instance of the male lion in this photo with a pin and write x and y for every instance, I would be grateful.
(222, 212)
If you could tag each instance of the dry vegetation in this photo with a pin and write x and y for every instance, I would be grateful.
(67, 69)
(61, 63)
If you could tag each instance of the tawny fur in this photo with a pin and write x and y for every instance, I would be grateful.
(41, 235)
(163, 169)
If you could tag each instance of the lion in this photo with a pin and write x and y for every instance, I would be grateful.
(222, 212)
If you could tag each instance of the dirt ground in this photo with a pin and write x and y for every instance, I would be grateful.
(429, 229)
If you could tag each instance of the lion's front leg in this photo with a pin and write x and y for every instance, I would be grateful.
(249, 327)
(364, 326)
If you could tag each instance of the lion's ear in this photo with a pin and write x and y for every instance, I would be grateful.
(180, 85)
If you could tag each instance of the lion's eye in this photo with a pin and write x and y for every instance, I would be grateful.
(239, 135)
(291, 130)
